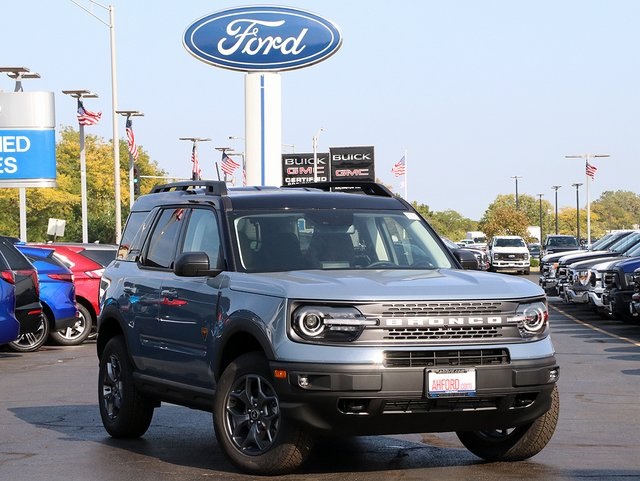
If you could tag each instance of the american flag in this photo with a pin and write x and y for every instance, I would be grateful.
(228, 165)
(399, 168)
(131, 140)
(196, 173)
(86, 117)
(591, 170)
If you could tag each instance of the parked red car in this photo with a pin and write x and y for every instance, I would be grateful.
(87, 262)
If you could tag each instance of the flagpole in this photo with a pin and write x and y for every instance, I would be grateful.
(588, 200)
(406, 176)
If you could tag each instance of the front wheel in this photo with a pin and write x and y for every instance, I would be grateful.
(124, 411)
(248, 422)
(515, 444)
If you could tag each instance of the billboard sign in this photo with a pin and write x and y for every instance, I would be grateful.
(27, 139)
(352, 163)
(298, 168)
(262, 38)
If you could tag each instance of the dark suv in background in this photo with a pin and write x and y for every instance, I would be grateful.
(328, 308)
(28, 309)
(555, 243)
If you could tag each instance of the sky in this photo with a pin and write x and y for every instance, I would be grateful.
(475, 92)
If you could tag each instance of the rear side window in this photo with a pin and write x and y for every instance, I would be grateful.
(132, 236)
(14, 257)
(101, 256)
(164, 239)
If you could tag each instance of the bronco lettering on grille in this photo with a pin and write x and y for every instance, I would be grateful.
(444, 321)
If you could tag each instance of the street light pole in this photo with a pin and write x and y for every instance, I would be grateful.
(586, 158)
(315, 154)
(80, 94)
(516, 177)
(194, 152)
(556, 187)
(577, 186)
(128, 114)
(114, 103)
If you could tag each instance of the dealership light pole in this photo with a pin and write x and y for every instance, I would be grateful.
(194, 152)
(577, 186)
(556, 187)
(315, 154)
(114, 104)
(19, 73)
(516, 177)
(79, 95)
(588, 173)
(128, 114)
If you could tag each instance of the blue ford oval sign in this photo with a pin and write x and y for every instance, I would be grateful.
(262, 38)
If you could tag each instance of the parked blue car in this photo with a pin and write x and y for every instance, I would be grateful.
(9, 325)
(57, 295)
(619, 286)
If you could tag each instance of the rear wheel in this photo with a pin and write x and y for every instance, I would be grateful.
(124, 411)
(32, 341)
(515, 444)
(248, 422)
(78, 333)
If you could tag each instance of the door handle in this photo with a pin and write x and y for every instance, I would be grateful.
(169, 293)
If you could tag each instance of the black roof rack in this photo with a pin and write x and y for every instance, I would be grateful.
(368, 187)
(211, 187)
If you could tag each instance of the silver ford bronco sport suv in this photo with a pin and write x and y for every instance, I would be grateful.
(328, 308)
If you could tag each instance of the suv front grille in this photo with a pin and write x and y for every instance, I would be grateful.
(444, 333)
(447, 358)
(454, 308)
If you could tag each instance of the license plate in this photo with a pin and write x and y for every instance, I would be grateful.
(451, 382)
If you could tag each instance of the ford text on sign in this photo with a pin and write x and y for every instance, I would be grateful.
(262, 38)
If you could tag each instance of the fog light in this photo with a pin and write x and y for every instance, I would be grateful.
(303, 381)
(554, 375)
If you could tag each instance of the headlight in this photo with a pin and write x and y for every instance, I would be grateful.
(552, 269)
(629, 279)
(532, 319)
(327, 323)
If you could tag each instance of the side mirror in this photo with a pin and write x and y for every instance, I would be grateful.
(467, 259)
(194, 264)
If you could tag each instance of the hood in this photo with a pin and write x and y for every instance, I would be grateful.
(381, 285)
(571, 258)
(593, 262)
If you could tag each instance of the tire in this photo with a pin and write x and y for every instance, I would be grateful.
(124, 411)
(248, 422)
(514, 444)
(32, 341)
(78, 333)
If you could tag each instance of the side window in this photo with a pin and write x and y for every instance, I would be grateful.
(130, 243)
(164, 238)
(203, 235)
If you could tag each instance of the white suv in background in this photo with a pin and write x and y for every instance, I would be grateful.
(509, 252)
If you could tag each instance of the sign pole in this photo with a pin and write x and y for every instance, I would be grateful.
(83, 186)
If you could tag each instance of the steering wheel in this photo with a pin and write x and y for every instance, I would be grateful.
(381, 264)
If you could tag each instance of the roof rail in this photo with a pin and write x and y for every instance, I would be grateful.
(367, 187)
(211, 187)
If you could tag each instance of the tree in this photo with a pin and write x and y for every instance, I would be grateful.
(616, 210)
(448, 223)
(504, 220)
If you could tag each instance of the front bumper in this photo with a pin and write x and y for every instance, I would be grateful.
(574, 295)
(372, 400)
(510, 264)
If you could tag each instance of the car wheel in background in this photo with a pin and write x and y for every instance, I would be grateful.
(32, 341)
(78, 333)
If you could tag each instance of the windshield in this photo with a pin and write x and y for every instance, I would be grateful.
(508, 242)
(269, 241)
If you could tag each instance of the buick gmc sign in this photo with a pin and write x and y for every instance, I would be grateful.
(262, 38)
